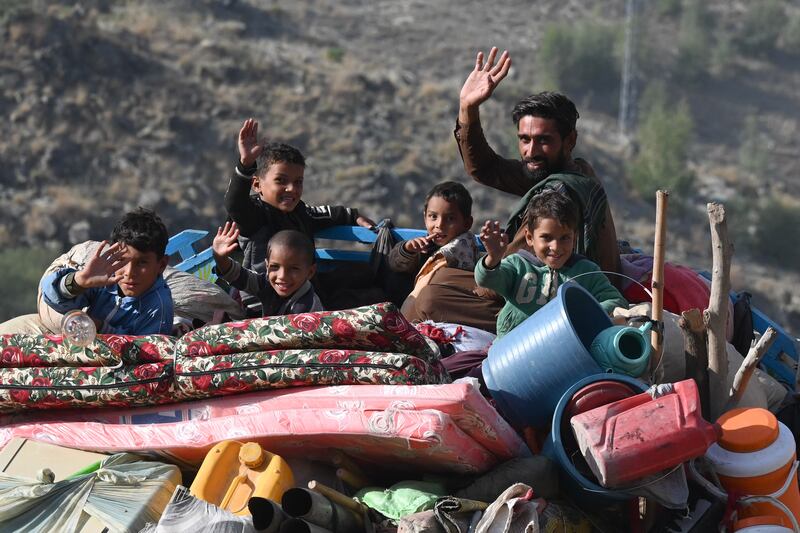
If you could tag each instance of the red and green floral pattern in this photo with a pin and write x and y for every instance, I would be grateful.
(377, 328)
(199, 377)
(22, 351)
(90, 386)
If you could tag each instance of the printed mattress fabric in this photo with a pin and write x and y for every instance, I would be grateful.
(367, 345)
(43, 371)
(449, 428)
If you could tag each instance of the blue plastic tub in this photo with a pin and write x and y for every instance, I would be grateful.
(578, 487)
(529, 369)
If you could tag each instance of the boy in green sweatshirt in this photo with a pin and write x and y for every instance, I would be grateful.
(528, 280)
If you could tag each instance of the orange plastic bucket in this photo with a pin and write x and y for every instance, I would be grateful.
(233, 472)
(754, 456)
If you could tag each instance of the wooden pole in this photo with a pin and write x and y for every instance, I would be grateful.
(657, 285)
(695, 349)
(754, 355)
(337, 497)
(716, 315)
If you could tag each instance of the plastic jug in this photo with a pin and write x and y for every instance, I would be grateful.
(756, 456)
(233, 472)
(763, 524)
(623, 349)
(638, 436)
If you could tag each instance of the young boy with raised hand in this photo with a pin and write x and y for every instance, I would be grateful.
(275, 171)
(528, 280)
(285, 288)
(120, 286)
(449, 242)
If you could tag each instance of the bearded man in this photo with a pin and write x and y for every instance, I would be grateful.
(546, 136)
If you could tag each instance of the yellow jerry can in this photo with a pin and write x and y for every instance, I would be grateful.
(233, 472)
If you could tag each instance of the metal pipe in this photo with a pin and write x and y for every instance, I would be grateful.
(267, 515)
(319, 510)
(296, 525)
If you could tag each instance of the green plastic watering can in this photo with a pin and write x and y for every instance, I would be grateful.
(623, 349)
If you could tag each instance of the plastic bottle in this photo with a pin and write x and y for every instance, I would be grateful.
(78, 328)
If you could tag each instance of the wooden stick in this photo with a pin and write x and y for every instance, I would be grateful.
(354, 480)
(716, 315)
(342, 460)
(657, 285)
(338, 498)
(754, 355)
(695, 349)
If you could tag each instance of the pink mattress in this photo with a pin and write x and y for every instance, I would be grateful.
(435, 427)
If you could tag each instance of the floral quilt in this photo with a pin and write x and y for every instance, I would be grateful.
(199, 377)
(377, 328)
(44, 371)
(367, 345)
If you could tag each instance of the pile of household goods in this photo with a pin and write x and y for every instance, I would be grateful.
(347, 421)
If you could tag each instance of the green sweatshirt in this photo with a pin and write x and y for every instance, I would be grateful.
(527, 284)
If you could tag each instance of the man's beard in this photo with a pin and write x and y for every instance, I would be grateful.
(549, 168)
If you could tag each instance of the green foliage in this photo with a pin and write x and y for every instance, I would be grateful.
(753, 153)
(9, 8)
(335, 54)
(790, 38)
(664, 137)
(723, 55)
(767, 229)
(667, 8)
(694, 40)
(763, 23)
(22, 268)
(578, 57)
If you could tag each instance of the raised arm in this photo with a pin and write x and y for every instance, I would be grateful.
(238, 204)
(224, 243)
(481, 83)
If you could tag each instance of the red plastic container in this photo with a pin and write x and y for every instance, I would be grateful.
(638, 436)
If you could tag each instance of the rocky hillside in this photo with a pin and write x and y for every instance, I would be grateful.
(109, 105)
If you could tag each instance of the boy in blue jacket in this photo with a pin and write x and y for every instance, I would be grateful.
(120, 286)
(528, 280)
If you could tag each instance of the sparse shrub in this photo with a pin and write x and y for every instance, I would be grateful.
(775, 233)
(668, 8)
(753, 152)
(664, 136)
(694, 41)
(22, 268)
(763, 23)
(790, 38)
(335, 54)
(578, 57)
(723, 55)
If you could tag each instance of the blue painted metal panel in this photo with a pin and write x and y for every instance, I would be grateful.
(182, 242)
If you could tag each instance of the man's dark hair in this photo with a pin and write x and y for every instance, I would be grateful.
(550, 105)
(454, 192)
(142, 229)
(278, 153)
(294, 240)
(552, 204)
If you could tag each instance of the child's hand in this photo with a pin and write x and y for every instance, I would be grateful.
(226, 240)
(495, 241)
(249, 148)
(418, 245)
(101, 269)
(365, 222)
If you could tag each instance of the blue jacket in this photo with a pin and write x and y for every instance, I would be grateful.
(150, 313)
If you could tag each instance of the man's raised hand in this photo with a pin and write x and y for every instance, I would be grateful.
(101, 269)
(226, 240)
(249, 148)
(483, 79)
